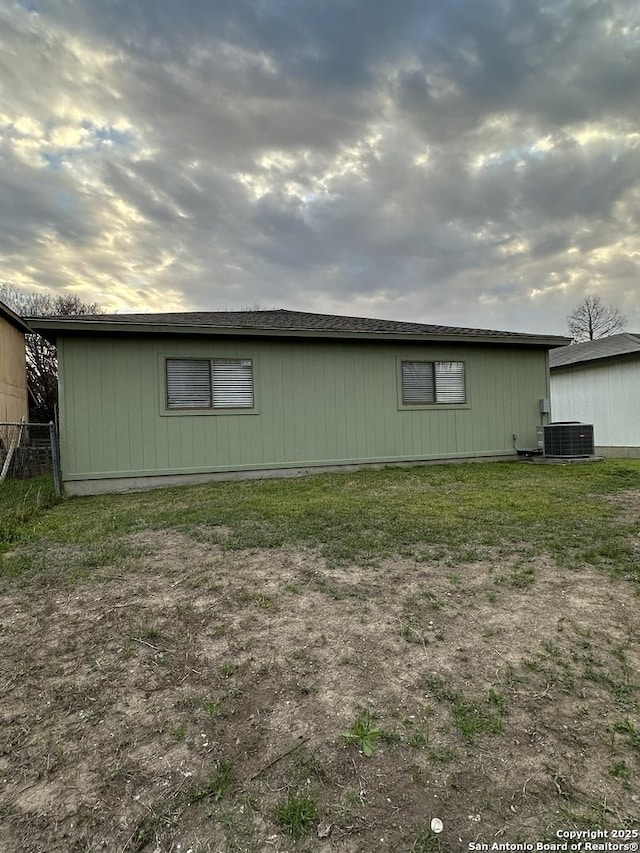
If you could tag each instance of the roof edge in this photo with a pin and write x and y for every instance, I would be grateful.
(13, 318)
(601, 349)
(59, 325)
(595, 362)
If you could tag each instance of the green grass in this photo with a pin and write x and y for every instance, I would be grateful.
(61, 567)
(180, 732)
(471, 717)
(21, 503)
(211, 707)
(425, 841)
(297, 813)
(442, 517)
(575, 669)
(620, 770)
(228, 669)
(217, 785)
(519, 577)
(354, 517)
(627, 729)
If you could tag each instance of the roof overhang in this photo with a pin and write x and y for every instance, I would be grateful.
(13, 318)
(600, 361)
(52, 328)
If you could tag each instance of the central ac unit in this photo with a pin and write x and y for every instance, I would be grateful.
(568, 439)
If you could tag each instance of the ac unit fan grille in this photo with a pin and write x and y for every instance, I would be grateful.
(568, 439)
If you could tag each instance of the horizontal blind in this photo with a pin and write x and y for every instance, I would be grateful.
(188, 383)
(450, 382)
(417, 382)
(232, 383)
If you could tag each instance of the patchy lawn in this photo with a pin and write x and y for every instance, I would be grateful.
(323, 664)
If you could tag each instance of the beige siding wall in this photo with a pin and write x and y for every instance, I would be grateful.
(13, 373)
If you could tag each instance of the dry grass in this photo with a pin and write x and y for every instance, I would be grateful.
(168, 690)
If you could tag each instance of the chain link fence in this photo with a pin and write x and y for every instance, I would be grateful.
(29, 450)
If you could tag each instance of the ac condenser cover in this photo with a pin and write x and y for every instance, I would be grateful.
(568, 439)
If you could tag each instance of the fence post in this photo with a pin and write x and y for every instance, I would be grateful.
(55, 458)
(15, 443)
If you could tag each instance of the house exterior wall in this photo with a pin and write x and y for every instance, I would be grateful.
(606, 395)
(318, 403)
(13, 373)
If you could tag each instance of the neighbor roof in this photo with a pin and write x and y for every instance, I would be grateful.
(278, 322)
(13, 318)
(611, 347)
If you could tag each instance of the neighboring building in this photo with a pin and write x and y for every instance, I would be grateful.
(13, 367)
(598, 383)
(157, 399)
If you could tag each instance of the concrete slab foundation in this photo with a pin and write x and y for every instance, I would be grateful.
(138, 484)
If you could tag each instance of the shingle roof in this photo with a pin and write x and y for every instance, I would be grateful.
(615, 345)
(291, 321)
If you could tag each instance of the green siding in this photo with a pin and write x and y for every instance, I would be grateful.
(317, 402)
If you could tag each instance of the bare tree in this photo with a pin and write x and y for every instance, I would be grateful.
(42, 361)
(593, 319)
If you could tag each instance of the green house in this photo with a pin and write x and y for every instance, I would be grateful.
(159, 399)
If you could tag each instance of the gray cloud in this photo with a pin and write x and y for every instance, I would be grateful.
(451, 161)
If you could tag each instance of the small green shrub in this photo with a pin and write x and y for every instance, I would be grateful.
(297, 814)
(363, 733)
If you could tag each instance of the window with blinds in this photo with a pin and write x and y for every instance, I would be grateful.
(450, 382)
(418, 383)
(431, 382)
(232, 383)
(217, 383)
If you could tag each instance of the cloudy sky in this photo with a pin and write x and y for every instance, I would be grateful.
(448, 161)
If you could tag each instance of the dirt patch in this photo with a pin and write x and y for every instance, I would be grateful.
(627, 505)
(175, 704)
